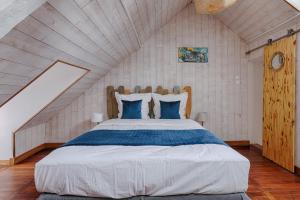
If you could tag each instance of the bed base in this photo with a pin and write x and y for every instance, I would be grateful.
(237, 196)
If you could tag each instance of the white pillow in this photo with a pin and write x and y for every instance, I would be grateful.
(182, 97)
(145, 97)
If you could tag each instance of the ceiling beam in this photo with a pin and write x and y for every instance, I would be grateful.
(14, 11)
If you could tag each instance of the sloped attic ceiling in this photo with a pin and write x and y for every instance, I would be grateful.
(96, 34)
(252, 18)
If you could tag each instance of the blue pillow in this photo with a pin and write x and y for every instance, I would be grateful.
(169, 110)
(132, 109)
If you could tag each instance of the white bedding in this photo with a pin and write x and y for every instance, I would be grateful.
(125, 171)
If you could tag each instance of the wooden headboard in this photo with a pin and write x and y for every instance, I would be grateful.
(112, 106)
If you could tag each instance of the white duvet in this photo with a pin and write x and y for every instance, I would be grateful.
(125, 171)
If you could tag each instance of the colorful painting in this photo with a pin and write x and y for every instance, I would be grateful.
(193, 54)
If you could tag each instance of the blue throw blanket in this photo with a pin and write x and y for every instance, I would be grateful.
(145, 137)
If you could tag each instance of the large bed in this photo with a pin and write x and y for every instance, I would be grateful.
(127, 171)
(144, 159)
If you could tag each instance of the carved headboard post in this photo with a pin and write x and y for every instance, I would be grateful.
(112, 106)
(188, 109)
(109, 104)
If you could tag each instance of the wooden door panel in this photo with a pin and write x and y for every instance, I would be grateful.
(279, 104)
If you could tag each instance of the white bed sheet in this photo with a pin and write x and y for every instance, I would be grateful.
(125, 171)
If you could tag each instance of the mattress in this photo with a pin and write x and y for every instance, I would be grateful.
(117, 171)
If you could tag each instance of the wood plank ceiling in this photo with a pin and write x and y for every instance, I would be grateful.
(251, 18)
(14, 11)
(96, 34)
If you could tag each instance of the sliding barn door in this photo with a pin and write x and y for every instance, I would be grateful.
(279, 102)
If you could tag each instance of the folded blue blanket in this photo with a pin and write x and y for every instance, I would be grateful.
(145, 137)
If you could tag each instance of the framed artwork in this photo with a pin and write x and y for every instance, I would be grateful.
(193, 54)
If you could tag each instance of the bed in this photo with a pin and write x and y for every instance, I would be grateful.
(140, 159)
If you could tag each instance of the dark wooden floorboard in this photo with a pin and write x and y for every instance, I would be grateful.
(267, 180)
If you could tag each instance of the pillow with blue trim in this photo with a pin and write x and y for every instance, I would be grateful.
(145, 97)
(182, 97)
(132, 109)
(169, 109)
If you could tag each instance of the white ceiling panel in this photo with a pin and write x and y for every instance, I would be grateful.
(251, 18)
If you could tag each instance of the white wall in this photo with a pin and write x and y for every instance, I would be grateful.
(220, 87)
(31, 100)
(255, 102)
(29, 138)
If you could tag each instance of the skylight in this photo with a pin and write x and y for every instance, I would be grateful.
(294, 3)
(33, 98)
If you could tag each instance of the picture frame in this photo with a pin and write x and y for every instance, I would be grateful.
(192, 55)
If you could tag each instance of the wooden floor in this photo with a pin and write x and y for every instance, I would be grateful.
(267, 180)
